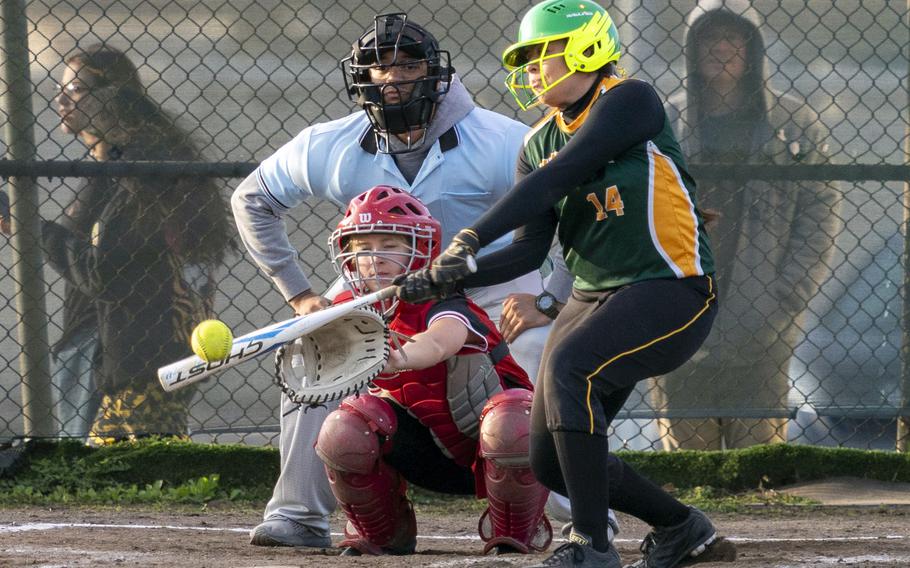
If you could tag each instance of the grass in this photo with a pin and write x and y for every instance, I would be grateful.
(173, 472)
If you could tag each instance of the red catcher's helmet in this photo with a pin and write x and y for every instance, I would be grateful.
(387, 210)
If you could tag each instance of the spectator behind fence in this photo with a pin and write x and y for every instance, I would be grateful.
(772, 240)
(137, 255)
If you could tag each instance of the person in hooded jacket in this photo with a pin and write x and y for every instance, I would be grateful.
(772, 239)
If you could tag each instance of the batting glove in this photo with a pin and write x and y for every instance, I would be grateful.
(457, 261)
(417, 287)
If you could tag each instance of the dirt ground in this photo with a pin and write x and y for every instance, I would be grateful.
(797, 537)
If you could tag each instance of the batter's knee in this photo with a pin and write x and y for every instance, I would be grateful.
(562, 369)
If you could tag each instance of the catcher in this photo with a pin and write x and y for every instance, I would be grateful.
(450, 410)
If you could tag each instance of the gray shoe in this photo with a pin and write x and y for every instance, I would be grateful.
(578, 553)
(279, 531)
(612, 527)
(669, 547)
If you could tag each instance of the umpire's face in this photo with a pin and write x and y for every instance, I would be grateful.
(398, 75)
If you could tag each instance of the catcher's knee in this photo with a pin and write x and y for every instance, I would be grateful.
(514, 517)
(505, 426)
(354, 437)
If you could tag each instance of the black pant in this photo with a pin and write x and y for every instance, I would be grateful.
(419, 460)
(601, 345)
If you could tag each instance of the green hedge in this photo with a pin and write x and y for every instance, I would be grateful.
(247, 467)
(767, 466)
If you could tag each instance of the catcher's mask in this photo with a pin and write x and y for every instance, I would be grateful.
(393, 34)
(384, 210)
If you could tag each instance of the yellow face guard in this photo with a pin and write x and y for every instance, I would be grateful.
(587, 49)
(518, 80)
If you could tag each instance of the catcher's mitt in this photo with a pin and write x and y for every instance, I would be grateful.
(335, 360)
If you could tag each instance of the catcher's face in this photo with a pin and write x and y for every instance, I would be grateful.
(379, 258)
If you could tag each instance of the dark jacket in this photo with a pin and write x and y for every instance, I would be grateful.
(78, 217)
(145, 311)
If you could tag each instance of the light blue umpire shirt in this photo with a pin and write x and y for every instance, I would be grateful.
(469, 167)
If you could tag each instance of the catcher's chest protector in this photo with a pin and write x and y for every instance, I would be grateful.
(448, 397)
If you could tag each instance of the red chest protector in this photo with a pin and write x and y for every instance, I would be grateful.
(425, 393)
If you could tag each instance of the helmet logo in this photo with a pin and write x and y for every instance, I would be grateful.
(365, 217)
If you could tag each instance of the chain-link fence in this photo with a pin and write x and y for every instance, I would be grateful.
(809, 240)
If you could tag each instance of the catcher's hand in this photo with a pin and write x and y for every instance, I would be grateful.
(457, 261)
(335, 360)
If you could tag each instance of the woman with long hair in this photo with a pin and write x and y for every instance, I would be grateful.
(137, 253)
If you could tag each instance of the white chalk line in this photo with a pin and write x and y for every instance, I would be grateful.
(15, 528)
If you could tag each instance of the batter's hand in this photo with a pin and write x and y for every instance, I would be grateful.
(308, 302)
(418, 287)
(519, 314)
(457, 261)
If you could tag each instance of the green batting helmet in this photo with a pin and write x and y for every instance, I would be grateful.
(592, 41)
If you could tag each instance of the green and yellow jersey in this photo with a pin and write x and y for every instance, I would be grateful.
(636, 216)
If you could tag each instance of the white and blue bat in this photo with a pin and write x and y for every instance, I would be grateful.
(262, 341)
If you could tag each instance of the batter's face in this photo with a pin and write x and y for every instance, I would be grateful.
(75, 103)
(398, 75)
(380, 258)
(721, 55)
(552, 70)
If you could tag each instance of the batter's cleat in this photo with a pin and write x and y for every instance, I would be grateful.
(691, 541)
(279, 531)
(578, 553)
(612, 527)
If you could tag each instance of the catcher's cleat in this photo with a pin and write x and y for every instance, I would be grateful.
(363, 547)
(578, 553)
(403, 545)
(690, 542)
(279, 531)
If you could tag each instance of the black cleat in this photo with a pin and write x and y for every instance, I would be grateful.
(691, 541)
(578, 553)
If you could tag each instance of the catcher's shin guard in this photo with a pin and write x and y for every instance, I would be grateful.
(371, 493)
(514, 518)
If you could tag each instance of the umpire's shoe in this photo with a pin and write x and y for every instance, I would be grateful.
(691, 541)
(578, 553)
(280, 531)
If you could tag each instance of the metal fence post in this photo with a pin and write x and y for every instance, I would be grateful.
(27, 258)
(903, 420)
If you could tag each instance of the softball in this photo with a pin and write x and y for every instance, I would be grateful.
(212, 340)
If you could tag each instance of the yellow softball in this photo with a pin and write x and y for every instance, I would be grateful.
(211, 340)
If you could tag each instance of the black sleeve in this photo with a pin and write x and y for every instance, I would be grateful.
(459, 305)
(527, 253)
(627, 115)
